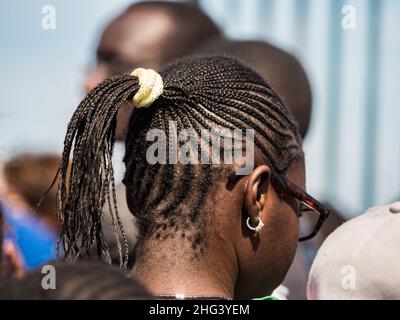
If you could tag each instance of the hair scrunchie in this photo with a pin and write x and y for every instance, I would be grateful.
(151, 87)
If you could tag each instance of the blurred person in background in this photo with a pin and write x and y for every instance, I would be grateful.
(29, 211)
(79, 281)
(11, 263)
(360, 259)
(287, 76)
(148, 34)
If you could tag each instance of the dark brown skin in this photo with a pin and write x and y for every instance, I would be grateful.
(237, 262)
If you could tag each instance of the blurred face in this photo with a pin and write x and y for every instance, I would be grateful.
(265, 257)
(135, 39)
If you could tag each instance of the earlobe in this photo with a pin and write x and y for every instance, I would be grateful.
(255, 196)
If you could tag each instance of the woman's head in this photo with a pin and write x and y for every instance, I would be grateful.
(206, 206)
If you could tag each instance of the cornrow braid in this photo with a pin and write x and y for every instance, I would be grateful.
(199, 93)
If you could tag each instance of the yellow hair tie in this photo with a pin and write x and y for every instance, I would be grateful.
(151, 87)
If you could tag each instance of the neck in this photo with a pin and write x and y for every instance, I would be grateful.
(171, 267)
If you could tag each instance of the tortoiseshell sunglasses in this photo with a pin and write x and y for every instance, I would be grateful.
(312, 212)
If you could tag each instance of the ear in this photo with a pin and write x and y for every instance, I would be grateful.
(255, 192)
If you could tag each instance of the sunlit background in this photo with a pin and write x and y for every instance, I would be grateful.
(353, 146)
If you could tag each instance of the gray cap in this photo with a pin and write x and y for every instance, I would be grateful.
(360, 259)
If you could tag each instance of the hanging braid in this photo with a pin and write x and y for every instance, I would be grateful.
(91, 183)
(199, 93)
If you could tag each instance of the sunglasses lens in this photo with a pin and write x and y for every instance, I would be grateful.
(308, 219)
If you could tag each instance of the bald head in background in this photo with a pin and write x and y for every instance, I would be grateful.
(148, 35)
(281, 69)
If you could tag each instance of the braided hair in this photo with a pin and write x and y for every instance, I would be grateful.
(200, 92)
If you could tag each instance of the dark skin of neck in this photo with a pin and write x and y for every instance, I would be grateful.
(172, 266)
(175, 270)
(235, 263)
